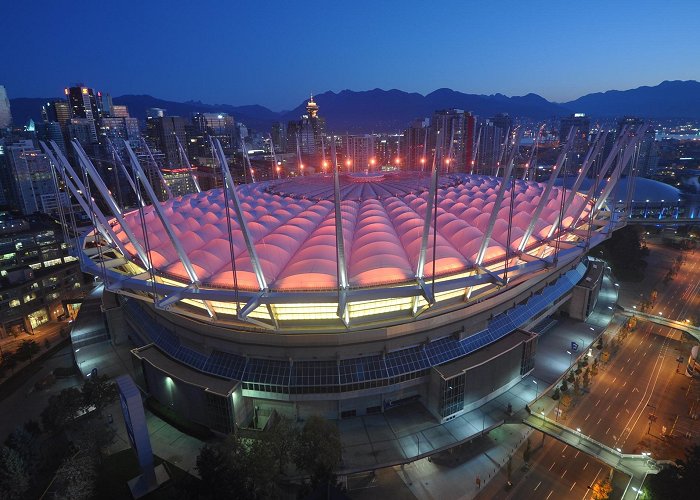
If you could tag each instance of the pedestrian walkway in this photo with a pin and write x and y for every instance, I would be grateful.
(636, 466)
(167, 442)
(684, 326)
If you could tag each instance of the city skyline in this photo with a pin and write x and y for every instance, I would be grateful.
(209, 54)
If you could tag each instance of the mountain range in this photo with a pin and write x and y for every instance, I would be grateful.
(391, 110)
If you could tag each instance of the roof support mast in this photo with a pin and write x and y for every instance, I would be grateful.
(420, 267)
(106, 195)
(158, 208)
(486, 239)
(548, 188)
(168, 191)
(250, 247)
(186, 161)
(499, 200)
(67, 174)
(587, 162)
(121, 165)
(340, 244)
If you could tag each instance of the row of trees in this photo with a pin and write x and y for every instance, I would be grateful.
(74, 447)
(679, 482)
(253, 468)
(25, 352)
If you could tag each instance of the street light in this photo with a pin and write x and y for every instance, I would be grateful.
(570, 361)
(537, 388)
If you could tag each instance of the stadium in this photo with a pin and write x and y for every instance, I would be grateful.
(340, 294)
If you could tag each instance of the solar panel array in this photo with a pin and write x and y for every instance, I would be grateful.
(270, 375)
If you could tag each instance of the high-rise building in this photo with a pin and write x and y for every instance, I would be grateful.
(56, 111)
(155, 113)
(5, 114)
(304, 136)
(33, 188)
(163, 133)
(82, 129)
(279, 137)
(84, 112)
(122, 128)
(120, 111)
(104, 103)
(457, 126)
(41, 281)
(359, 153)
(51, 131)
(83, 102)
(416, 140)
(493, 133)
(582, 124)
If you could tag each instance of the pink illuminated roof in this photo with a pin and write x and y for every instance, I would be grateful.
(292, 225)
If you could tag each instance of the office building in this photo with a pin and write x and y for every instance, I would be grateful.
(5, 113)
(163, 133)
(39, 280)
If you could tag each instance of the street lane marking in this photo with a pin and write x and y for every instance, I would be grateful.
(577, 454)
(587, 416)
(599, 420)
(562, 474)
(538, 485)
(618, 414)
(606, 390)
(550, 494)
(584, 467)
(550, 467)
(598, 402)
(572, 486)
(606, 432)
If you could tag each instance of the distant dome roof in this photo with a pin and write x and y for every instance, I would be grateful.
(644, 189)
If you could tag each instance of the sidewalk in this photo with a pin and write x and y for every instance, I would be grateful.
(486, 455)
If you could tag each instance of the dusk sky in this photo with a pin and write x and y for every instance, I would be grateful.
(274, 53)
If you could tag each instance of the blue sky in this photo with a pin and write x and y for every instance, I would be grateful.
(275, 52)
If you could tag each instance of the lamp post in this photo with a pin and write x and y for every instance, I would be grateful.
(537, 388)
(570, 361)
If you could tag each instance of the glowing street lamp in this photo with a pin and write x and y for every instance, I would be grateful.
(372, 161)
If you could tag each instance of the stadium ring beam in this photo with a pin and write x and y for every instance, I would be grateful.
(344, 286)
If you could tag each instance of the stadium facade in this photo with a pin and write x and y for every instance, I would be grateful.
(341, 294)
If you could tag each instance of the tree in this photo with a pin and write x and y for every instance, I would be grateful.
(237, 469)
(9, 361)
(572, 375)
(24, 443)
(281, 439)
(27, 349)
(601, 489)
(14, 480)
(586, 379)
(564, 386)
(318, 450)
(556, 395)
(577, 386)
(99, 391)
(62, 408)
(76, 477)
(677, 482)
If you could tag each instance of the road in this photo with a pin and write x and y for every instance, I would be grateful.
(639, 380)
